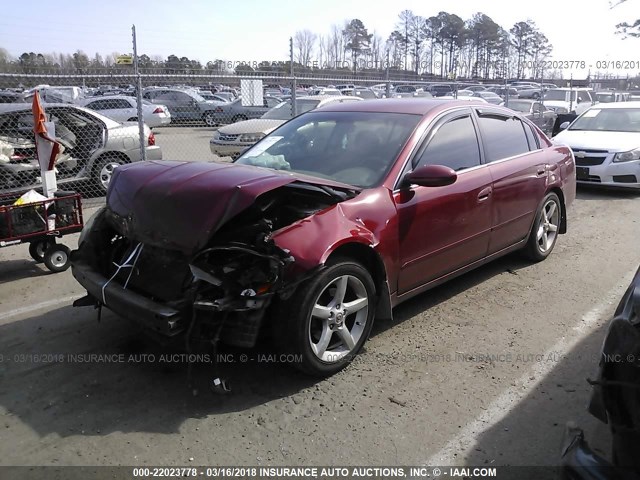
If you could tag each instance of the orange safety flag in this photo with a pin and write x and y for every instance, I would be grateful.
(40, 130)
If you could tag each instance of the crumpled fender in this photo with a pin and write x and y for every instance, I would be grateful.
(368, 220)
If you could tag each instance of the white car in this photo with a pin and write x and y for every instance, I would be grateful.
(568, 100)
(123, 108)
(232, 140)
(606, 144)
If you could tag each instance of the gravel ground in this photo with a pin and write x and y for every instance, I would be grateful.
(423, 391)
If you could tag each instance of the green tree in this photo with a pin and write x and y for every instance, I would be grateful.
(358, 40)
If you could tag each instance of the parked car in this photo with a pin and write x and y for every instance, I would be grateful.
(502, 92)
(325, 224)
(207, 95)
(529, 91)
(231, 140)
(224, 97)
(567, 100)
(543, 117)
(606, 143)
(409, 91)
(94, 145)
(475, 88)
(489, 97)
(232, 112)
(183, 104)
(463, 97)
(57, 94)
(609, 96)
(324, 91)
(440, 89)
(362, 92)
(7, 96)
(123, 108)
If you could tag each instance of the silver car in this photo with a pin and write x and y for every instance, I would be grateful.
(94, 146)
(605, 141)
(123, 108)
(232, 140)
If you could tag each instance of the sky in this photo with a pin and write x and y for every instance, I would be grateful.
(253, 30)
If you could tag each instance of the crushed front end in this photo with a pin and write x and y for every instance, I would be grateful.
(215, 283)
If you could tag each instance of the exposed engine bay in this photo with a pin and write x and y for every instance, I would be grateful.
(223, 290)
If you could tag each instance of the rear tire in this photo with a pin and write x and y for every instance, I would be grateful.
(57, 258)
(38, 248)
(103, 171)
(329, 318)
(545, 229)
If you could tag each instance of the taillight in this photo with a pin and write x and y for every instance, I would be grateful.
(158, 110)
(151, 141)
(218, 110)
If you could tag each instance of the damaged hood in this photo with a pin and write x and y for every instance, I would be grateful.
(180, 205)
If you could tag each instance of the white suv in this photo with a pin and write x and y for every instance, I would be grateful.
(568, 100)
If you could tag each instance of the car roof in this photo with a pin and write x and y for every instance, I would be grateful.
(324, 97)
(415, 106)
(574, 88)
(17, 107)
(598, 106)
(107, 97)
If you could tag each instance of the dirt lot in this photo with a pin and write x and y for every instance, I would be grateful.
(423, 392)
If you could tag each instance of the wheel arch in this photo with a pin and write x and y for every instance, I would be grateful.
(110, 154)
(563, 214)
(371, 260)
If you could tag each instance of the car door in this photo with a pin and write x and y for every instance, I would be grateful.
(519, 170)
(187, 106)
(118, 109)
(535, 114)
(442, 229)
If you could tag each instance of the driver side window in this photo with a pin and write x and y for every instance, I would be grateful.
(455, 145)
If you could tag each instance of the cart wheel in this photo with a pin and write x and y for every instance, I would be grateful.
(38, 248)
(56, 258)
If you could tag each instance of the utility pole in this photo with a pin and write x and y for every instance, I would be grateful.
(293, 79)
(143, 151)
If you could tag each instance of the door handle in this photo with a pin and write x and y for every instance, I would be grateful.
(484, 194)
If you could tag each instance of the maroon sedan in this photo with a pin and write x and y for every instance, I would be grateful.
(325, 224)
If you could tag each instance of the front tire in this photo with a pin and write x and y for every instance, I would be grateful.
(57, 258)
(209, 119)
(545, 229)
(329, 319)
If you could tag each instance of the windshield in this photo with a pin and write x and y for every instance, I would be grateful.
(524, 107)
(562, 95)
(609, 120)
(197, 96)
(357, 148)
(282, 111)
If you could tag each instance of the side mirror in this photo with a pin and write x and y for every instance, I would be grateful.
(564, 125)
(431, 176)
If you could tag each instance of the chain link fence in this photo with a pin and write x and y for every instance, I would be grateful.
(182, 117)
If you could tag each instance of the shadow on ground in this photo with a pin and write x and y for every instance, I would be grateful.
(65, 373)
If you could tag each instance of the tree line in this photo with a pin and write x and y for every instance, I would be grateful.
(442, 45)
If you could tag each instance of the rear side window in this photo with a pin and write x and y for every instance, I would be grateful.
(532, 138)
(502, 137)
(454, 145)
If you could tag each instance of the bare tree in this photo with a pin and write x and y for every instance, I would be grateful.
(304, 42)
(404, 26)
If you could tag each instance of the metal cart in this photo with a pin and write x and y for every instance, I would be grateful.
(39, 224)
